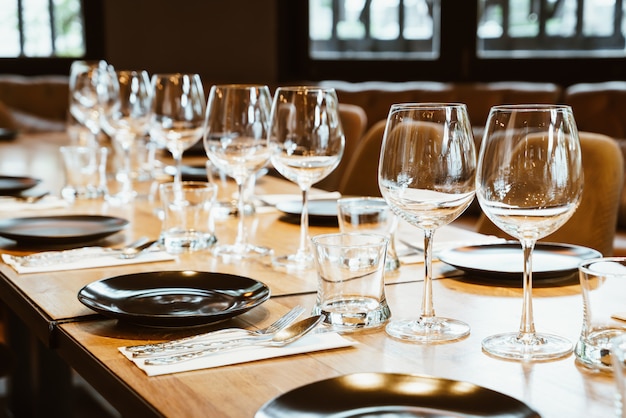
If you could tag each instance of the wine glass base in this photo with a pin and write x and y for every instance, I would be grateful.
(537, 347)
(237, 252)
(294, 262)
(431, 330)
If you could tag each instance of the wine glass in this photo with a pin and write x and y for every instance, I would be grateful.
(177, 114)
(126, 121)
(235, 140)
(529, 183)
(426, 175)
(86, 90)
(307, 143)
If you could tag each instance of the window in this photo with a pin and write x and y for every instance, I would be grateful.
(44, 36)
(562, 41)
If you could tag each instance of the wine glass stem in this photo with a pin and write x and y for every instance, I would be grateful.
(178, 177)
(428, 310)
(527, 326)
(241, 207)
(304, 224)
(126, 183)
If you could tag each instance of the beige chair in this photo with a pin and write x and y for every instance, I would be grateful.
(361, 174)
(594, 222)
(353, 121)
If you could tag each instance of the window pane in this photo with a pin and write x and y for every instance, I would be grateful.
(37, 30)
(376, 29)
(549, 28)
(70, 39)
(9, 31)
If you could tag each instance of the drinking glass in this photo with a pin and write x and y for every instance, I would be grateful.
(235, 140)
(177, 113)
(426, 175)
(307, 143)
(529, 182)
(87, 91)
(126, 121)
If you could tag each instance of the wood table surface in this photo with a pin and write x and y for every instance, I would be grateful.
(86, 342)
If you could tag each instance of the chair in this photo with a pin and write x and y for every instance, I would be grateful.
(353, 121)
(594, 223)
(361, 173)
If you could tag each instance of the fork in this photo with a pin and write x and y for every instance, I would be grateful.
(279, 324)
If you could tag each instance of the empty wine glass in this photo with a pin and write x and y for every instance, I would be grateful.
(529, 183)
(86, 91)
(426, 175)
(126, 121)
(307, 143)
(177, 113)
(235, 140)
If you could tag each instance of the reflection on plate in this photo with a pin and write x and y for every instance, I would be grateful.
(174, 298)
(10, 185)
(393, 395)
(69, 229)
(321, 211)
(505, 261)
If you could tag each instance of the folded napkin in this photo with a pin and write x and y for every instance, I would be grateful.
(82, 258)
(308, 343)
(11, 204)
(274, 199)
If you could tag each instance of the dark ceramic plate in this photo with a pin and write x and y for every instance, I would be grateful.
(505, 261)
(173, 298)
(393, 395)
(321, 212)
(10, 185)
(69, 229)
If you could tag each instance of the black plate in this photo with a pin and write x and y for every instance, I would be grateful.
(69, 229)
(7, 134)
(10, 185)
(321, 211)
(505, 261)
(388, 394)
(174, 298)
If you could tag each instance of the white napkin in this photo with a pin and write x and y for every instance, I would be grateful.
(308, 343)
(85, 261)
(274, 199)
(11, 204)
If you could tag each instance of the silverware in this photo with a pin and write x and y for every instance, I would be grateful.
(282, 338)
(219, 335)
(47, 258)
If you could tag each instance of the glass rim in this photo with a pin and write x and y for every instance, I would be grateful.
(521, 107)
(306, 88)
(426, 105)
(382, 239)
(585, 265)
(240, 86)
(194, 184)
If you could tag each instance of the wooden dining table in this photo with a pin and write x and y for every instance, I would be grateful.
(54, 335)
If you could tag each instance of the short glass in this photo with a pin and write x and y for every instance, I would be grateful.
(351, 284)
(603, 283)
(187, 222)
(85, 172)
(370, 214)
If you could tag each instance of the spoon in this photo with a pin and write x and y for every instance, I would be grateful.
(280, 339)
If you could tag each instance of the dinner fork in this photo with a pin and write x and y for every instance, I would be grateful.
(226, 333)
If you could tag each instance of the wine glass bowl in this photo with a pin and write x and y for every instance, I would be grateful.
(177, 113)
(307, 142)
(126, 121)
(426, 175)
(235, 140)
(529, 183)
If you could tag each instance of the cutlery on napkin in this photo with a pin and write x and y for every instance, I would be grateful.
(10, 204)
(80, 258)
(309, 343)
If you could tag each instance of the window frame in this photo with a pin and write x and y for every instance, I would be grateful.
(458, 60)
(94, 47)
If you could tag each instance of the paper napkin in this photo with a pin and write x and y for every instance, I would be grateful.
(309, 343)
(90, 257)
(10, 204)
